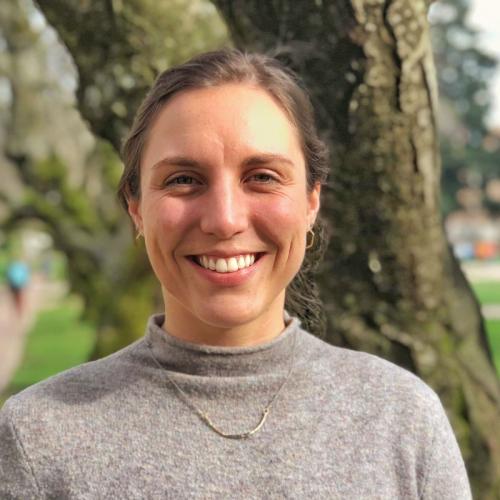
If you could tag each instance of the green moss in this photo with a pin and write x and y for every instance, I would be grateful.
(50, 171)
(111, 164)
(446, 344)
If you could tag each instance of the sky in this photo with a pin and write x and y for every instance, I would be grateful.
(485, 16)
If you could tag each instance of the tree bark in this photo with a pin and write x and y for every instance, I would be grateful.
(390, 282)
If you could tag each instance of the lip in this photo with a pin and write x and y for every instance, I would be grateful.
(227, 279)
(227, 254)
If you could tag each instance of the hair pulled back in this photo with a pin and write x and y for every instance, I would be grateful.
(233, 66)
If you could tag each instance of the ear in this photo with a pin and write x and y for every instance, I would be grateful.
(134, 210)
(313, 203)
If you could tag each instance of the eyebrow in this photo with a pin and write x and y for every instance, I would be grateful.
(259, 159)
(265, 158)
(181, 161)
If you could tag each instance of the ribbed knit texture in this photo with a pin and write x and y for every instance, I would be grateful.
(346, 425)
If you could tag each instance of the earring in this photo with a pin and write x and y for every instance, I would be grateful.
(138, 235)
(311, 242)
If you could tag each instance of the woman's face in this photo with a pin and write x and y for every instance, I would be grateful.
(223, 184)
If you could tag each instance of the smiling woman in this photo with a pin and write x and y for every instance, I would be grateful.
(223, 179)
(227, 395)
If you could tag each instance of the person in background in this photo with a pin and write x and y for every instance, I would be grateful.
(18, 277)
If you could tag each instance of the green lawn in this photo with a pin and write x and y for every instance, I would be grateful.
(493, 329)
(57, 341)
(488, 292)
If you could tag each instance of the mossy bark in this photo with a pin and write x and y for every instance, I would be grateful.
(390, 282)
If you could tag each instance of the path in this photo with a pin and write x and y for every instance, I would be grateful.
(481, 271)
(491, 311)
(13, 329)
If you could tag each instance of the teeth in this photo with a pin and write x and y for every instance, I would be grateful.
(221, 266)
(226, 265)
(232, 265)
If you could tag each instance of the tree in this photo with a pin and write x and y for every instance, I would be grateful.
(61, 178)
(390, 283)
(64, 177)
(464, 75)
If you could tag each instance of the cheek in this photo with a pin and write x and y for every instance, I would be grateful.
(166, 224)
(169, 215)
(284, 217)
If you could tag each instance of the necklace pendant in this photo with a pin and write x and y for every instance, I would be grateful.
(242, 435)
(206, 419)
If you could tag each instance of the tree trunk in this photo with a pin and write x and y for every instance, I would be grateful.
(390, 282)
(39, 185)
(118, 48)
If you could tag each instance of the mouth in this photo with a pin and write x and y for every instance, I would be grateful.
(227, 264)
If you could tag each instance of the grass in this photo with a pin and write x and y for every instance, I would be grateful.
(493, 330)
(57, 341)
(488, 292)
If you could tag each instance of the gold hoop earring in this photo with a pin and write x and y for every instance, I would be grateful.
(138, 235)
(311, 243)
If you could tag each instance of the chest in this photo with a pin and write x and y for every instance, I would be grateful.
(304, 449)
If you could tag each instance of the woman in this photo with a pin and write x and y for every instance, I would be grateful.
(226, 396)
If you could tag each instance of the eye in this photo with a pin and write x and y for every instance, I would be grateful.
(263, 178)
(180, 184)
(181, 180)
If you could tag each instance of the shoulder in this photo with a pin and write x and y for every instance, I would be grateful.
(361, 376)
(17, 478)
(382, 403)
(390, 411)
(49, 424)
(82, 385)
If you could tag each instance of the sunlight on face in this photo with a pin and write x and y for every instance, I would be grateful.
(223, 177)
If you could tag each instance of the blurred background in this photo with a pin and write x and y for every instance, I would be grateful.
(67, 265)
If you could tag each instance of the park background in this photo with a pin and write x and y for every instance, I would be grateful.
(57, 206)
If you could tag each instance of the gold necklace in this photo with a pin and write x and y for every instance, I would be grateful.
(205, 418)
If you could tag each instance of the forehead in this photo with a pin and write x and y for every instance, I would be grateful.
(230, 117)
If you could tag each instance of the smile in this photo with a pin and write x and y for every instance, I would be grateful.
(226, 265)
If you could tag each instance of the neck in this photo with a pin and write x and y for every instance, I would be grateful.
(185, 325)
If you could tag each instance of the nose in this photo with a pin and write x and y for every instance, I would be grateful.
(224, 212)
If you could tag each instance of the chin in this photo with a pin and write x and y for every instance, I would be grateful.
(221, 317)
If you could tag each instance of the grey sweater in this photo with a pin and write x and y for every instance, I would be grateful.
(346, 425)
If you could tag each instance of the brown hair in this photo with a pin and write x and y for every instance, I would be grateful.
(233, 66)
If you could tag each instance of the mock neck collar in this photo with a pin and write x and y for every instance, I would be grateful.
(178, 355)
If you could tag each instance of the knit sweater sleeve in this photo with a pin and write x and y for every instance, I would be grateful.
(445, 473)
(17, 478)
